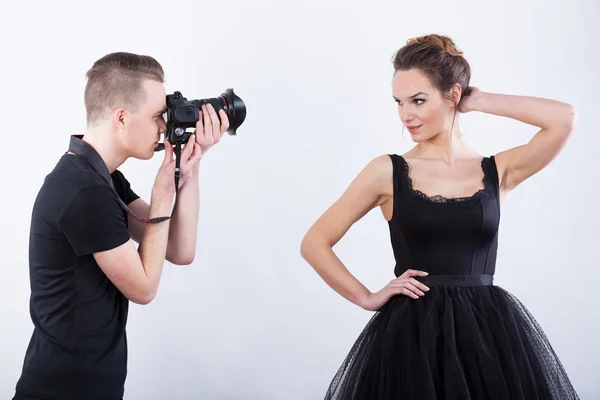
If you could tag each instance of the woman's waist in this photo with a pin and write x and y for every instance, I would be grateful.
(433, 280)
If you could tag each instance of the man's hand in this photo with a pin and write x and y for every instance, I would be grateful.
(190, 159)
(209, 129)
(163, 188)
(207, 134)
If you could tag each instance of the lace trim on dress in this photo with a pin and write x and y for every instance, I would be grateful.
(480, 195)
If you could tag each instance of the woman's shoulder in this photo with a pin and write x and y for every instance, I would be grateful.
(382, 165)
(377, 173)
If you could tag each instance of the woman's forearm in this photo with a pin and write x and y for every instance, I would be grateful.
(540, 112)
(329, 267)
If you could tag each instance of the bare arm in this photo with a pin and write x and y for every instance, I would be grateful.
(181, 242)
(136, 273)
(556, 120)
(182, 238)
(371, 188)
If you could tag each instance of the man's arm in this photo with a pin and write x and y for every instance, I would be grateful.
(181, 249)
(94, 225)
(181, 242)
(136, 273)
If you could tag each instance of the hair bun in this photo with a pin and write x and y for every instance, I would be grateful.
(442, 42)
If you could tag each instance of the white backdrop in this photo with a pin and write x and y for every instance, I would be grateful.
(250, 319)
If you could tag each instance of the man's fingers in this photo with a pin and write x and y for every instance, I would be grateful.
(200, 127)
(224, 121)
(214, 119)
(168, 152)
(188, 148)
(207, 122)
(197, 154)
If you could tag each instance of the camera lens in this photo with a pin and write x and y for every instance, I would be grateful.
(233, 106)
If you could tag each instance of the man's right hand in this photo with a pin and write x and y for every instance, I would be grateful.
(136, 272)
(164, 184)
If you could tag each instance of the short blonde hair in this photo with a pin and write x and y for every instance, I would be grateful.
(115, 80)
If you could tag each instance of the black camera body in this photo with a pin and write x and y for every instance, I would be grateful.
(183, 114)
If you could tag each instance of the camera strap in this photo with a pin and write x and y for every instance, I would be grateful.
(91, 156)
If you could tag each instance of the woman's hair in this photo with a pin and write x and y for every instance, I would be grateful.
(439, 59)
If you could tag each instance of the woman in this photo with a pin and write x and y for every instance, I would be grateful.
(442, 329)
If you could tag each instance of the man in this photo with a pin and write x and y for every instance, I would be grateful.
(84, 265)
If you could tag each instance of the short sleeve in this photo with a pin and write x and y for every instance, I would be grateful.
(123, 187)
(94, 221)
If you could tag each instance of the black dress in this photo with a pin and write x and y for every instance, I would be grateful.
(465, 338)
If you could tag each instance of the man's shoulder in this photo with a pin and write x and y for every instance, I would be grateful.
(71, 177)
(72, 174)
(77, 204)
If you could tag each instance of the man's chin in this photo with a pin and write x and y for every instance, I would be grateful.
(144, 157)
(152, 152)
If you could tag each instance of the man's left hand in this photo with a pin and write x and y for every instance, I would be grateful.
(209, 129)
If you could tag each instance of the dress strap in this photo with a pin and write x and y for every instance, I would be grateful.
(400, 170)
(490, 172)
(400, 174)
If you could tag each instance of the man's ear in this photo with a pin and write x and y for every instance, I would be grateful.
(120, 118)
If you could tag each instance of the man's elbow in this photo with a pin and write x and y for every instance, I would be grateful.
(182, 259)
(143, 298)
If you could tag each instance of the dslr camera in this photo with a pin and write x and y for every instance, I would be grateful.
(183, 113)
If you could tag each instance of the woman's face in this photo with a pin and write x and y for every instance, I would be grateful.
(422, 107)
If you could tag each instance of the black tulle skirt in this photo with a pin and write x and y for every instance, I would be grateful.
(456, 342)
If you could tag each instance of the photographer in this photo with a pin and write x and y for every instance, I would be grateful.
(84, 265)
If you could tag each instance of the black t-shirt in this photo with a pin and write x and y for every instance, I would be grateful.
(78, 349)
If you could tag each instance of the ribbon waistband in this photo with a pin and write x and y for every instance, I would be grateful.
(456, 280)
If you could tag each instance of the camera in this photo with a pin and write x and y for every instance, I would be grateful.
(183, 113)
